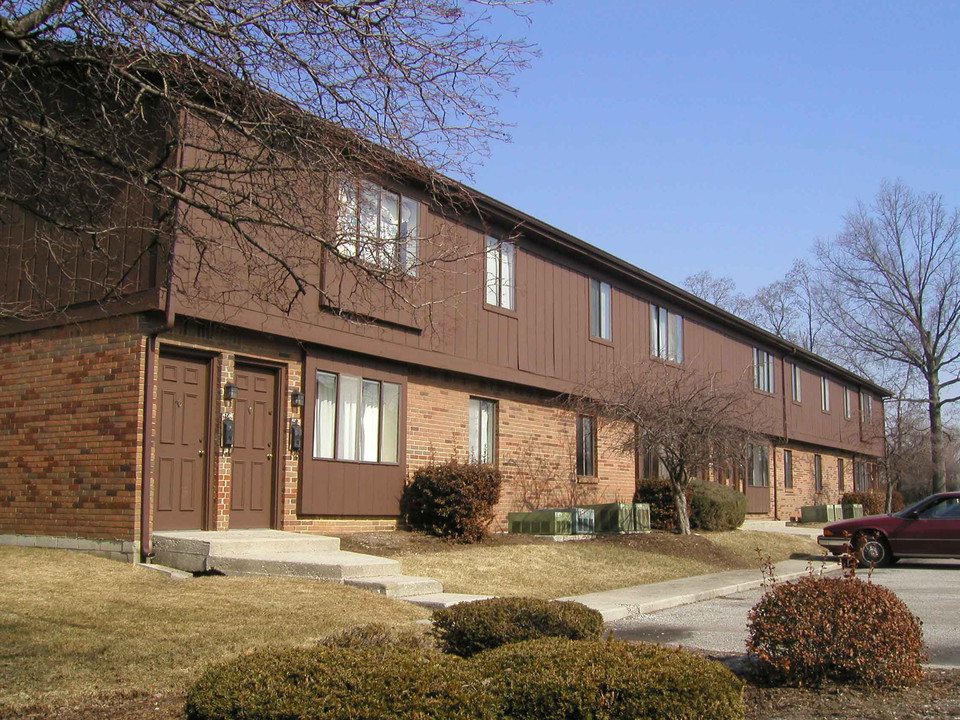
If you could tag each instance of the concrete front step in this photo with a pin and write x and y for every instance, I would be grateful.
(242, 542)
(398, 586)
(442, 600)
(335, 566)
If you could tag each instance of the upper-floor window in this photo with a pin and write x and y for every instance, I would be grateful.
(356, 419)
(824, 394)
(762, 370)
(501, 258)
(866, 407)
(586, 446)
(378, 226)
(796, 382)
(846, 403)
(483, 430)
(666, 334)
(600, 307)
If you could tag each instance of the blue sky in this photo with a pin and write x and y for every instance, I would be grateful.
(726, 136)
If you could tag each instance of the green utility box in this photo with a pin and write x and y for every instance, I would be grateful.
(821, 513)
(583, 520)
(616, 517)
(541, 522)
(641, 517)
(852, 511)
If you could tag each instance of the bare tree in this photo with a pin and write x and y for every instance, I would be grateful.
(162, 118)
(693, 420)
(721, 291)
(891, 293)
(774, 308)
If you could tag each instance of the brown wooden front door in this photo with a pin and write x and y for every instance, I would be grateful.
(181, 465)
(251, 488)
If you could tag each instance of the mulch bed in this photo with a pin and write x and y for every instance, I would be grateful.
(938, 696)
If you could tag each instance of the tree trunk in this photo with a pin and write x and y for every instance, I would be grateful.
(937, 459)
(680, 503)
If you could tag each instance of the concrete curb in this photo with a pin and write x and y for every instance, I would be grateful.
(619, 604)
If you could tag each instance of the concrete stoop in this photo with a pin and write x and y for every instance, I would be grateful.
(283, 554)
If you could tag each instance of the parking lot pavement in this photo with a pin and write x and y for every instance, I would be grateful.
(931, 589)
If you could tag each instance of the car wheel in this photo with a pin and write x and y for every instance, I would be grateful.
(873, 550)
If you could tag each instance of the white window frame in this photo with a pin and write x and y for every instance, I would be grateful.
(482, 428)
(601, 310)
(344, 427)
(666, 334)
(796, 375)
(763, 365)
(866, 407)
(824, 393)
(371, 238)
(846, 402)
(501, 271)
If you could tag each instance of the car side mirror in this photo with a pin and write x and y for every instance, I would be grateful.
(912, 515)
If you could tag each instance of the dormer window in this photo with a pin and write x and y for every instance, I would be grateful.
(378, 227)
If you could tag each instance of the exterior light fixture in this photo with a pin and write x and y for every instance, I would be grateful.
(230, 391)
(296, 398)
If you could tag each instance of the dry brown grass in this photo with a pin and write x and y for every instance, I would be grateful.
(72, 625)
(551, 570)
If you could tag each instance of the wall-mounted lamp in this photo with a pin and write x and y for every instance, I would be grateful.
(230, 391)
(297, 398)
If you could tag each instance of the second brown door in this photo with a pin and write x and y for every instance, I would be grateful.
(251, 488)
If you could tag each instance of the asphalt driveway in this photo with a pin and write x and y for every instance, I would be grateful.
(931, 589)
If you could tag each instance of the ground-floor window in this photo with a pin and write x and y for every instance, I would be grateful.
(356, 419)
(759, 459)
(840, 470)
(817, 473)
(861, 476)
(586, 446)
(788, 469)
(483, 430)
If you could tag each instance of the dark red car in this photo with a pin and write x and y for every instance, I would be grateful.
(927, 529)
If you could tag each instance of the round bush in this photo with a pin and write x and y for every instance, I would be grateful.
(469, 628)
(659, 495)
(599, 680)
(842, 629)
(452, 500)
(330, 683)
(716, 507)
(874, 501)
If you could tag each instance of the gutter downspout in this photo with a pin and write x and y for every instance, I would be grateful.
(146, 508)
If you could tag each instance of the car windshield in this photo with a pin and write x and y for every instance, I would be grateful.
(912, 508)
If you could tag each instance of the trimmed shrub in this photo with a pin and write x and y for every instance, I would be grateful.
(716, 507)
(874, 501)
(378, 635)
(328, 683)
(452, 500)
(659, 495)
(469, 628)
(599, 680)
(842, 629)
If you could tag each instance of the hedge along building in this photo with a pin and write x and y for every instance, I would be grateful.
(194, 400)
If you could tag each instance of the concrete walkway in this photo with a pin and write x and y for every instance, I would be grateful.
(779, 526)
(640, 599)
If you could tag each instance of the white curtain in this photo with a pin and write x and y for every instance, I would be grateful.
(390, 418)
(325, 417)
(386, 256)
(349, 406)
(369, 221)
(508, 264)
(410, 235)
(347, 220)
(493, 271)
(370, 421)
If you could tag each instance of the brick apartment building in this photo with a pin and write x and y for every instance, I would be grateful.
(117, 419)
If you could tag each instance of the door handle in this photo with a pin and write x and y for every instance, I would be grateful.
(269, 456)
(200, 452)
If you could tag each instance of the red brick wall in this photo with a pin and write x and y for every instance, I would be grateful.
(804, 492)
(536, 447)
(70, 413)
